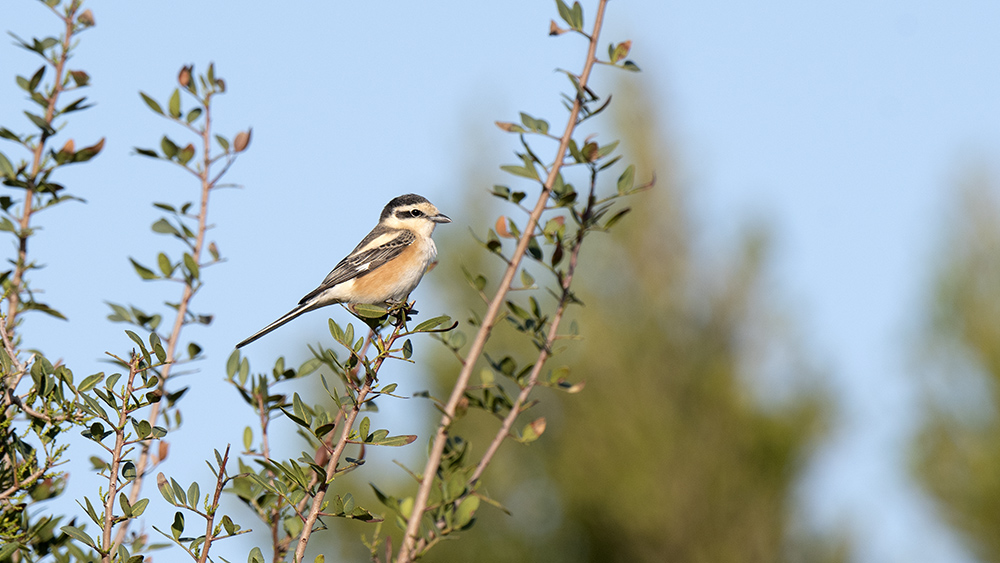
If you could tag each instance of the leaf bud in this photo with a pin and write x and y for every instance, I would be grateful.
(184, 78)
(86, 18)
(242, 140)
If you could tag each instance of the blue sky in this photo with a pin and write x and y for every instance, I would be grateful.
(845, 127)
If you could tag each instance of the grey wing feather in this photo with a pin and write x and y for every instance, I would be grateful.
(361, 262)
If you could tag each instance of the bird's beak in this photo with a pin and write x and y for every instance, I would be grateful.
(440, 218)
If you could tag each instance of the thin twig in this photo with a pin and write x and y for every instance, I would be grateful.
(182, 308)
(406, 553)
(543, 355)
(21, 266)
(210, 517)
(345, 432)
(116, 459)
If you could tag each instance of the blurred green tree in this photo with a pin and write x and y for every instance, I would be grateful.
(957, 451)
(685, 461)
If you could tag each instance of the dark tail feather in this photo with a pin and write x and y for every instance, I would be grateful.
(303, 308)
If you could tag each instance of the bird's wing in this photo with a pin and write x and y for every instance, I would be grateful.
(380, 246)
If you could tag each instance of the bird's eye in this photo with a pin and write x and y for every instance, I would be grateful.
(416, 213)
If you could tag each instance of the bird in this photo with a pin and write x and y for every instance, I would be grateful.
(385, 266)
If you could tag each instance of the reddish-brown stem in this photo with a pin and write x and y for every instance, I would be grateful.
(338, 450)
(21, 266)
(210, 517)
(331, 469)
(275, 523)
(406, 552)
(182, 309)
(116, 459)
(543, 355)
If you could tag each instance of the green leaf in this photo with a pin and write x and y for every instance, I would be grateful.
(300, 409)
(564, 12)
(163, 226)
(349, 335)
(526, 279)
(363, 428)
(191, 265)
(126, 507)
(76, 106)
(143, 428)
(222, 142)
(166, 268)
(174, 106)
(186, 154)
(629, 65)
(39, 122)
(396, 441)
(194, 494)
(78, 535)
(525, 171)
(465, 511)
(534, 249)
(626, 180)
(165, 489)
(576, 15)
(430, 324)
(407, 349)
(368, 311)
(310, 366)
(90, 382)
(193, 114)
(233, 363)
(36, 79)
(616, 217)
(139, 507)
(8, 550)
(6, 168)
(151, 103)
(168, 147)
(144, 272)
(87, 153)
(80, 77)
(509, 127)
(607, 149)
(296, 419)
(619, 52)
(247, 438)
(135, 338)
(177, 528)
(42, 307)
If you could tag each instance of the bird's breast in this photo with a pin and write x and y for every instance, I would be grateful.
(394, 280)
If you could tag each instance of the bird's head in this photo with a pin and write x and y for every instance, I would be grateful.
(412, 212)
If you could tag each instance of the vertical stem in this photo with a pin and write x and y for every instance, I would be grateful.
(116, 459)
(24, 224)
(345, 432)
(543, 355)
(182, 309)
(441, 436)
(210, 519)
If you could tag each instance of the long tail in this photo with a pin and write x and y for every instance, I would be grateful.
(301, 308)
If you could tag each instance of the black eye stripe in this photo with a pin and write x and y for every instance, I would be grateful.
(409, 213)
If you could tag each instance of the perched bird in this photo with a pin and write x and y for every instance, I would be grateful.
(384, 268)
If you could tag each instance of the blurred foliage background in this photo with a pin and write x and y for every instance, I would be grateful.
(957, 451)
(690, 435)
